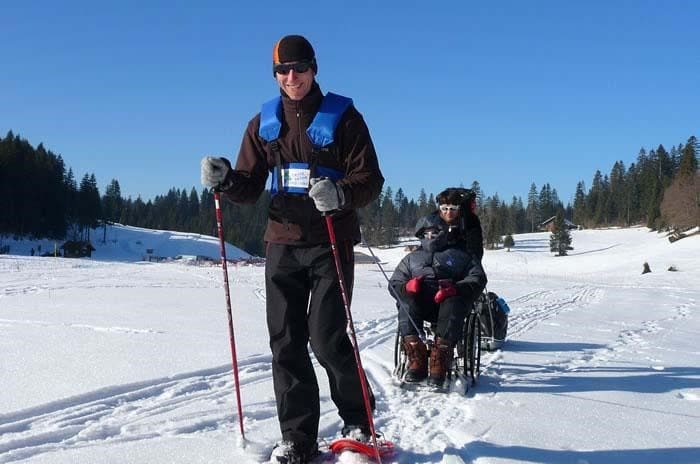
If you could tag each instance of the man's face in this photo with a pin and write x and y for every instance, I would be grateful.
(295, 84)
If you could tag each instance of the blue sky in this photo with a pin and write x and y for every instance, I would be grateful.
(508, 94)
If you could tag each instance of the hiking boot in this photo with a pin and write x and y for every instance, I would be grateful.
(417, 355)
(440, 362)
(289, 452)
(359, 433)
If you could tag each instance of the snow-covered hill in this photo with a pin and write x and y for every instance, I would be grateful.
(116, 360)
(126, 243)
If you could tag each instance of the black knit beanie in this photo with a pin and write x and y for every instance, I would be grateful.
(293, 48)
(455, 196)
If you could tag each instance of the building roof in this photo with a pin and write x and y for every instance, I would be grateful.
(567, 223)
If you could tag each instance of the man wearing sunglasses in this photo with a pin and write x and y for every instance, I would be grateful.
(303, 298)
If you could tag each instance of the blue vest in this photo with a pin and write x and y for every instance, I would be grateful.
(320, 132)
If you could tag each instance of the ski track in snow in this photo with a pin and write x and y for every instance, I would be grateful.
(183, 404)
(634, 340)
(126, 330)
(428, 426)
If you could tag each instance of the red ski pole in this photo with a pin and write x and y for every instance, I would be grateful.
(351, 332)
(220, 227)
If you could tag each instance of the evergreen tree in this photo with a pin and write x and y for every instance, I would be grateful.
(411, 217)
(183, 209)
(617, 192)
(579, 215)
(193, 222)
(602, 212)
(517, 216)
(594, 197)
(532, 206)
(370, 221)
(631, 208)
(425, 204)
(402, 210)
(664, 166)
(688, 164)
(71, 200)
(389, 231)
(546, 204)
(569, 211)
(560, 239)
(492, 222)
(112, 201)
(479, 195)
(508, 242)
(89, 208)
(675, 158)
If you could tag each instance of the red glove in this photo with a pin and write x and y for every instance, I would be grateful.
(413, 285)
(447, 289)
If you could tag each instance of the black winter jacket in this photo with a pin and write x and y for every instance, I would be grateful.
(467, 236)
(454, 263)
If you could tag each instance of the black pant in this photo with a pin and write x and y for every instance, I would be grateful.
(449, 315)
(304, 304)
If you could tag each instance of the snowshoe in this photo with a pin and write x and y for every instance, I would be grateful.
(342, 445)
(289, 452)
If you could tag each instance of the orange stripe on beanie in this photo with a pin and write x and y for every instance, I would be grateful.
(276, 53)
(292, 48)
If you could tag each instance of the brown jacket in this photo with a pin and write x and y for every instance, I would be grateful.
(294, 219)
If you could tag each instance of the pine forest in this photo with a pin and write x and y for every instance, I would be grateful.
(42, 197)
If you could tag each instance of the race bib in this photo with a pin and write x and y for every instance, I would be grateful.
(295, 178)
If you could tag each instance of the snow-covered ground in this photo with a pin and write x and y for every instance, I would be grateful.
(117, 360)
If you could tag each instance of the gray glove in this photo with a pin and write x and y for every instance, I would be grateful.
(214, 171)
(326, 195)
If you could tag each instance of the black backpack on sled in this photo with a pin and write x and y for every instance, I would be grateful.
(493, 316)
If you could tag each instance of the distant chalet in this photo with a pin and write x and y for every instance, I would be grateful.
(548, 225)
(77, 249)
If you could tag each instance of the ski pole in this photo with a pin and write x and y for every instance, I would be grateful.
(392, 290)
(351, 331)
(220, 227)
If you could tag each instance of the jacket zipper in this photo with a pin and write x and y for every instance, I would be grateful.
(298, 110)
(304, 158)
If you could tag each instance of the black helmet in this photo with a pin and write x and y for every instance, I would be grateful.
(434, 242)
(432, 221)
(466, 198)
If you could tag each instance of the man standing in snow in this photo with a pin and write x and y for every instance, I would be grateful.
(309, 179)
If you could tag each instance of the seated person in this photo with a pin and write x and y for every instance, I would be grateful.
(438, 281)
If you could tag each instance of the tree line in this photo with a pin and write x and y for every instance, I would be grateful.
(649, 191)
(41, 198)
(661, 190)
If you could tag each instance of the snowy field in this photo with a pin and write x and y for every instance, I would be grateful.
(117, 360)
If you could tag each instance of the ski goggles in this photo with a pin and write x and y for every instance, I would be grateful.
(298, 67)
(446, 208)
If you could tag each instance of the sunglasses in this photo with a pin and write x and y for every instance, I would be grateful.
(446, 208)
(431, 233)
(298, 67)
